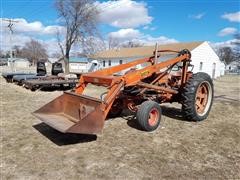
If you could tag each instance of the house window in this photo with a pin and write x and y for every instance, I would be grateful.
(201, 66)
(214, 71)
(104, 64)
(109, 63)
(120, 61)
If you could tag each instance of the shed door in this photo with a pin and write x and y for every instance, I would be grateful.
(213, 70)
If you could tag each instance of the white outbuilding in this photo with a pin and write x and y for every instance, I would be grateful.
(204, 58)
(18, 62)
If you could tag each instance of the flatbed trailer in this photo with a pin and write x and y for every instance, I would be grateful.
(9, 76)
(50, 81)
(19, 79)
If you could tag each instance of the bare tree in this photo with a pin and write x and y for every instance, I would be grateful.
(226, 55)
(59, 41)
(113, 43)
(79, 17)
(34, 51)
(56, 55)
(1, 54)
(17, 52)
(92, 45)
(131, 44)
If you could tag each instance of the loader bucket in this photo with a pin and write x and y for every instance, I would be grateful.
(73, 113)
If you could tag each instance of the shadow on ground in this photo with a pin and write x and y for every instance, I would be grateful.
(170, 112)
(61, 139)
(130, 117)
(132, 122)
(224, 97)
(173, 113)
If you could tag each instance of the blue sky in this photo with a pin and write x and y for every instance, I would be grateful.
(152, 20)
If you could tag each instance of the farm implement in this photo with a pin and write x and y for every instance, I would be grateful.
(139, 90)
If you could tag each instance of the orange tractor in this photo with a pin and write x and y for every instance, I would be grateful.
(139, 90)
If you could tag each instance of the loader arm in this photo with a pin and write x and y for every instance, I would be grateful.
(115, 83)
(136, 76)
(105, 77)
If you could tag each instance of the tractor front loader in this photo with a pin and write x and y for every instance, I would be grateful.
(139, 90)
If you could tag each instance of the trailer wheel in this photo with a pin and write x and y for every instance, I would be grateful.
(149, 115)
(197, 97)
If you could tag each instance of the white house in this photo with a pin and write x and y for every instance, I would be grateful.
(206, 60)
(18, 62)
(80, 65)
(203, 58)
(233, 67)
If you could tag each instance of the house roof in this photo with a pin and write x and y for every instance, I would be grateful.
(143, 51)
(75, 60)
(78, 59)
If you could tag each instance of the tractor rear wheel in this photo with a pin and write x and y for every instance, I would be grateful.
(149, 115)
(197, 97)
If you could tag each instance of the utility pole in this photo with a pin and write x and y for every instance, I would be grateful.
(10, 27)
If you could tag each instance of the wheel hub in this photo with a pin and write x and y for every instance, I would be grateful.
(153, 117)
(202, 96)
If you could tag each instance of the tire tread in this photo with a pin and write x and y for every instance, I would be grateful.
(189, 93)
(143, 115)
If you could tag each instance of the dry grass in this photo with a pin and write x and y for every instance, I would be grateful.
(177, 150)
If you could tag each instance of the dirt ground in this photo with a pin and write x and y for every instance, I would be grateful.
(177, 150)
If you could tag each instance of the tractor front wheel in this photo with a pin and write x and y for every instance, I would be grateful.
(197, 97)
(149, 115)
